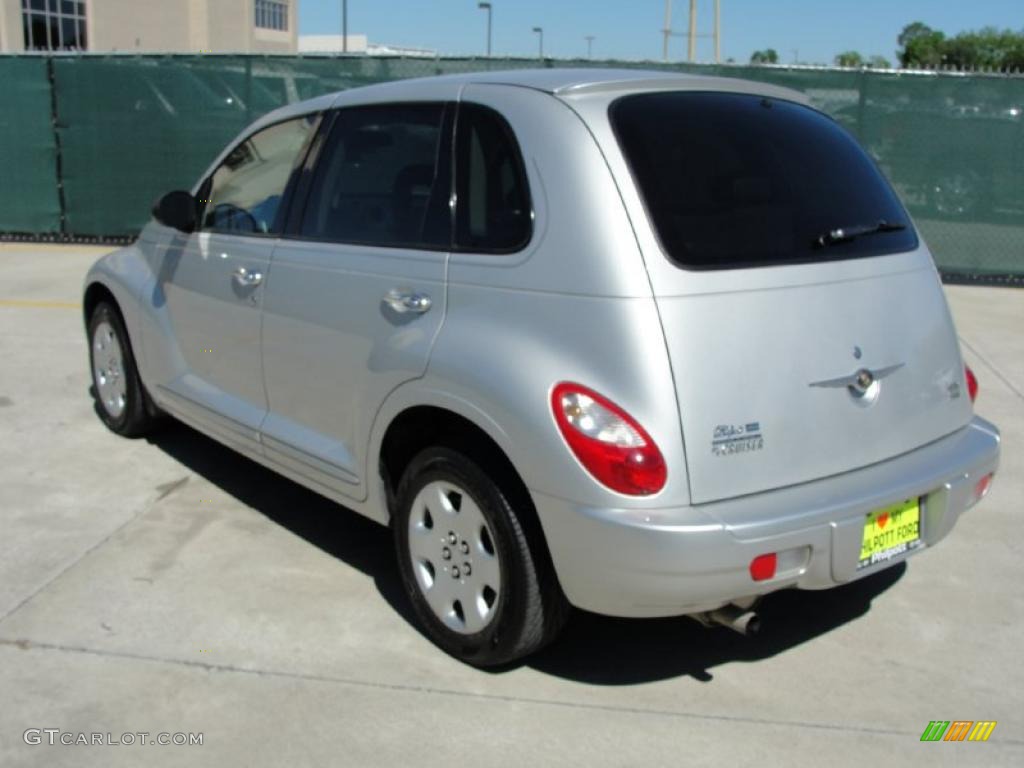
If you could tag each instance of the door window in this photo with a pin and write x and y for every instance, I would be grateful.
(383, 179)
(245, 192)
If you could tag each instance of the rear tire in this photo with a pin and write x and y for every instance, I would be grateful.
(478, 578)
(121, 400)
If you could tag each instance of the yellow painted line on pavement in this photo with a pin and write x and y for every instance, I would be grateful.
(39, 304)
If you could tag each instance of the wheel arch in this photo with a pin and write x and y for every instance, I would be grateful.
(99, 290)
(415, 417)
(438, 418)
(119, 278)
(96, 292)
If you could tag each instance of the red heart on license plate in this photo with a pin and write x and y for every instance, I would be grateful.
(882, 519)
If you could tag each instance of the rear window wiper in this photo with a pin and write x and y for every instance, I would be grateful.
(845, 234)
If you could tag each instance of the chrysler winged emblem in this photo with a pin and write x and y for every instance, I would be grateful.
(860, 381)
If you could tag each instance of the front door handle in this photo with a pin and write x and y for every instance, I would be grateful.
(404, 302)
(245, 278)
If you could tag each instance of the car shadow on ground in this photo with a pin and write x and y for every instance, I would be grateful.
(592, 649)
(606, 651)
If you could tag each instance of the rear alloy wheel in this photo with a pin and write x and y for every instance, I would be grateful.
(456, 566)
(480, 584)
(121, 401)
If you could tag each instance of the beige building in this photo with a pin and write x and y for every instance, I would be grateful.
(179, 26)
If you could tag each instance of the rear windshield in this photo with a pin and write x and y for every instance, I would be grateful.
(735, 180)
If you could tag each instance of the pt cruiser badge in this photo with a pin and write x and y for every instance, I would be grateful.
(740, 438)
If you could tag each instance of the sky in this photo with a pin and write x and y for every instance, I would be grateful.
(811, 31)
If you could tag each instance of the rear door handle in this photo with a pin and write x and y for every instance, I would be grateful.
(245, 278)
(404, 302)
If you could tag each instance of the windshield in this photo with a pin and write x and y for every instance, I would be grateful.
(734, 180)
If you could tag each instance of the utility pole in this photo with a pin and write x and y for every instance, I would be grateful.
(344, 26)
(667, 31)
(590, 46)
(487, 7)
(693, 31)
(718, 32)
(540, 31)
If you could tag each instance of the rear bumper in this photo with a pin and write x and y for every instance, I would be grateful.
(664, 562)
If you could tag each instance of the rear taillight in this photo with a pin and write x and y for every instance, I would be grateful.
(608, 441)
(972, 383)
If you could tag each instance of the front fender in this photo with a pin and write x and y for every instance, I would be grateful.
(125, 274)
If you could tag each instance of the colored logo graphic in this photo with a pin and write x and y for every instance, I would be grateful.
(958, 730)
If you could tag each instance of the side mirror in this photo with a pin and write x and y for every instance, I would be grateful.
(177, 210)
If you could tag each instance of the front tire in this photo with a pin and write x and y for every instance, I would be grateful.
(121, 400)
(475, 571)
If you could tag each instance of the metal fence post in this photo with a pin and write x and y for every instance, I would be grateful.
(54, 120)
(862, 91)
(248, 90)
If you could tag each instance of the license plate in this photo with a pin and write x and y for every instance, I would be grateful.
(890, 532)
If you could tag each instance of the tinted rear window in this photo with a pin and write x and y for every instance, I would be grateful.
(733, 180)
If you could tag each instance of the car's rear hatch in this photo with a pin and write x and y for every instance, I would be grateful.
(798, 351)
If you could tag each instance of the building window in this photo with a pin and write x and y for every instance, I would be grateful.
(54, 25)
(272, 14)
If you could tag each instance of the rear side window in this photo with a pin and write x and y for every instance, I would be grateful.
(383, 179)
(735, 180)
(246, 190)
(493, 214)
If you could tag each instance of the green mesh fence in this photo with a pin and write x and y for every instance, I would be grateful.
(131, 127)
(29, 199)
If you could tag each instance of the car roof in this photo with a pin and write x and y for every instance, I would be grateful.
(564, 81)
(559, 82)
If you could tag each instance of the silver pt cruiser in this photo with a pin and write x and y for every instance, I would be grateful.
(640, 343)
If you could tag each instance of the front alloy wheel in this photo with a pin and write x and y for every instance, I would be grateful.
(108, 370)
(121, 400)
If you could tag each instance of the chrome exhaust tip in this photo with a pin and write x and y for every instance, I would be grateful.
(742, 620)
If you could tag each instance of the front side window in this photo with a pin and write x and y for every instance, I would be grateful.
(383, 179)
(736, 180)
(493, 212)
(245, 192)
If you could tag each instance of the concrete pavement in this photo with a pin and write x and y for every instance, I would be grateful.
(169, 585)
